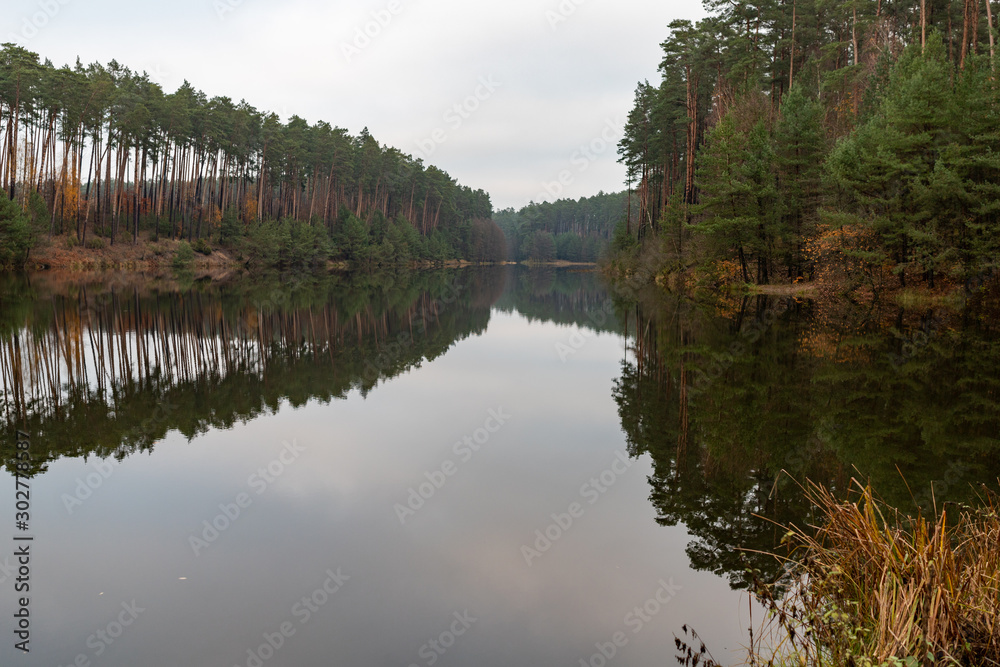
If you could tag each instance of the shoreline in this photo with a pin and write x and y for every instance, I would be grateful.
(155, 258)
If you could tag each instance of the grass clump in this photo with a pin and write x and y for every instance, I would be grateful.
(872, 586)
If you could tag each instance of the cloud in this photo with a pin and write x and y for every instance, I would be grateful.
(560, 79)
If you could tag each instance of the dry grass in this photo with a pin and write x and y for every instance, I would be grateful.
(871, 586)
(60, 254)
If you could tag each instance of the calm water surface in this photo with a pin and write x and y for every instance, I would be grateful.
(500, 467)
(396, 444)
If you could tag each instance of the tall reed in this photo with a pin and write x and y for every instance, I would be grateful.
(869, 585)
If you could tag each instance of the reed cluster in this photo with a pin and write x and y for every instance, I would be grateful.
(868, 585)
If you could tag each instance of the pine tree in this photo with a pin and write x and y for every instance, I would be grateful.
(800, 147)
(739, 196)
(897, 170)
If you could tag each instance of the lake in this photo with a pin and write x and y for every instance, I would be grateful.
(484, 466)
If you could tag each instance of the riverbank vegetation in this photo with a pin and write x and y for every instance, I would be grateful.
(97, 155)
(873, 586)
(852, 144)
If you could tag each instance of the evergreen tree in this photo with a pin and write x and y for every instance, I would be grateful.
(739, 197)
(15, 233)
(799, 148)
(897, 171)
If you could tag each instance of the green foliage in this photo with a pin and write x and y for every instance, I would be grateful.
(95, 243)
(800, 149)
(230, 228)
(922, 171)
(569, 246)
(439, 249)
(540, 246)
(742, 127)
(353, 239)
(183, 257)
(623, 242)
(288, 245)
(201, 246)
(406, 241)
(397, 244)
(270, 170)
(591, 220)
(739, 196)
(15, 234)
(38, 211)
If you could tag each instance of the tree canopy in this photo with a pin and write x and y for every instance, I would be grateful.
(109, 152)
(566, 229)
(776, 121)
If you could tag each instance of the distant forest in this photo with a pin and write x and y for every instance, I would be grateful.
(102, 154)
(572, 230)
(792, 138)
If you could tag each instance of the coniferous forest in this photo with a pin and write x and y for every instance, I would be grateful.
(563, 230)
(103, 155)
(797, 140)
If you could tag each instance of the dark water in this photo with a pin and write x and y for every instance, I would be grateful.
(491, 467)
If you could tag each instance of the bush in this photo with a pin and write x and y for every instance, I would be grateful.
(183, 256)
(202, 246)
(95, 243)
(15, 233)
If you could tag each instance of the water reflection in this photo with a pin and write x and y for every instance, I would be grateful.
(726, 398)
(220, 533)
(379, 379)
(110, 371)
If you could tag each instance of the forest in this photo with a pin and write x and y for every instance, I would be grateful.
(97, 155)
(571, 230)
(797, 140)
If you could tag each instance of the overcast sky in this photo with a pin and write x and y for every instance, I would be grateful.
(534, 81)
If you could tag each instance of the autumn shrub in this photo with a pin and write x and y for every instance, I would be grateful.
(873, 586)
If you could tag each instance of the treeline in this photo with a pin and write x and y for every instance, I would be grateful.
(102, 151)
(573, 230)
(789, 138)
